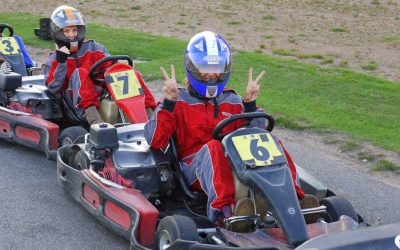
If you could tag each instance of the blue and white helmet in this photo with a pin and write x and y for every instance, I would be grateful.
(208, 52)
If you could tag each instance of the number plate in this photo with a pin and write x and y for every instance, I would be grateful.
(9, 46)
(124, 84)
(258, 150)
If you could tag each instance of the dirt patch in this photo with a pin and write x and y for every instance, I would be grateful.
(354, 34)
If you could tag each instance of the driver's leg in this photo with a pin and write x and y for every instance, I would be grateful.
(211, 168)
(85, 97)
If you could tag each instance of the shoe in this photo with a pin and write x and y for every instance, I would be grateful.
(310, 201)
(244, 207)
(226, 212)
(92, 115)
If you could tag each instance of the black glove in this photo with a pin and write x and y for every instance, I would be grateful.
(61, 56)
(62, 53)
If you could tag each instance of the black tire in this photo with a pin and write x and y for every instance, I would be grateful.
(69, 135)
(175, 227)
(70, 153)
(81, 161)
(337, 206)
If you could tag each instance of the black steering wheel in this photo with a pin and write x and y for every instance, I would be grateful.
(94, 72)
(222, 124)
(4, 26)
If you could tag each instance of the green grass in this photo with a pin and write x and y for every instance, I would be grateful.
(288, 123)
(384, 165)
(136, 7)
(269, 17)
(327, 61)
(338, 29)
(391, 39)
(365, 156)
(234, 23)
(324, 98)
(349, 146)
(370, 66)
(296, 53)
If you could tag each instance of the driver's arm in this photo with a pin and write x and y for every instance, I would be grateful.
(252, 107)
(160, 127)
(27, 58)
(55, 73)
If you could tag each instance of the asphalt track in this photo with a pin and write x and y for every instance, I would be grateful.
(35, 213)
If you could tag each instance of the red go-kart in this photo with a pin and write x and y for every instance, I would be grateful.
(30, 115)
(139, 193)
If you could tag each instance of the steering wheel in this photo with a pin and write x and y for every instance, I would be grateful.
(94, 71)
(222, 124)
(6, 26)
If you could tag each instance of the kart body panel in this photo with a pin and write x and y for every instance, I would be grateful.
(125, 89)
(124, 210)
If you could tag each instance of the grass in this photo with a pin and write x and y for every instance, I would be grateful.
(365, 156)
(267, 36)
(234, 23)
(349, 146)
(384, 165)
(335, 99)
(327, 61)
(344, 63)
(269, 17)
(370, 66)
(288, 123)
(136, 7)
(391, 39)
(296, 53)
(338, 29)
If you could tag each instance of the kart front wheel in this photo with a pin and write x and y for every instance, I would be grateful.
(337, 206)
(172, 228)
(71, 134)
(81, 161)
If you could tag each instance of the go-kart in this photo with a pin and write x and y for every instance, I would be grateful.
(139, 193)
(30, 115)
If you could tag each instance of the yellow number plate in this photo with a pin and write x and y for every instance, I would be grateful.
(124, 84)
(258, 149)
(9, 46)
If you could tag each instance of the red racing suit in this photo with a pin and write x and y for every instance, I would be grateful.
(71, 79)
(191, 121)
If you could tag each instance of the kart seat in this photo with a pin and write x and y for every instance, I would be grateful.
(68, 112)
(191, 194)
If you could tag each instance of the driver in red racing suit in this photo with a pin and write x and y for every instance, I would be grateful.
(67, 69)
(190, 116)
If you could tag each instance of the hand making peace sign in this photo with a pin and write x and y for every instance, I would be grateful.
(253, 88)
(170, 86)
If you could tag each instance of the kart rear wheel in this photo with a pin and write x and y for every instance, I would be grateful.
(69, 135)
(337, 206)
(81, 161)
(175, 227)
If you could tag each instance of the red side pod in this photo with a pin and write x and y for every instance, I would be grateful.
(148, 213)
(27, 134)
(115, 210)
(117, 215)
(50, 127)
(90, 195)
(4, 128)
(27, 126)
